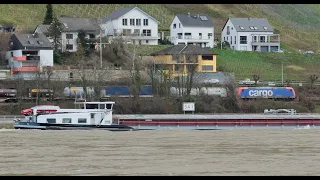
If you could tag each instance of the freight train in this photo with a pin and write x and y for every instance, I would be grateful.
(208, 91)
(277, 93)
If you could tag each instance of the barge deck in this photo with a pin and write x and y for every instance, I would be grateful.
(218, 121)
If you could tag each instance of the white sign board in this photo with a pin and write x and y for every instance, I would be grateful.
(188, 106)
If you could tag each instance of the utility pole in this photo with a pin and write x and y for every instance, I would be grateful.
(282, 72)
(100, 48)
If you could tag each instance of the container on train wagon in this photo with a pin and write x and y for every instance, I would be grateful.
(78, 92)
(266, 92)
(8, 92)
(125, 91)
(214, 91)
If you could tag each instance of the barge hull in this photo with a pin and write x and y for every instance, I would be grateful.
(33, 125)
(217, 122)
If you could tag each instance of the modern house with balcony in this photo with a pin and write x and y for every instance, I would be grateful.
(178, 60)
(71, 27)
(28, 53)
(250, 34)
(133, 25)
(192, 29)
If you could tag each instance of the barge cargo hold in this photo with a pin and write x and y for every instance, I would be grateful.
(218, 121)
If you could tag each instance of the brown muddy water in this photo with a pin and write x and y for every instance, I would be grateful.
(160, 152)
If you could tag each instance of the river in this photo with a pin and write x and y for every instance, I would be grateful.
(160, 152)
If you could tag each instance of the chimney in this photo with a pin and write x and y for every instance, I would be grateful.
(188, 14)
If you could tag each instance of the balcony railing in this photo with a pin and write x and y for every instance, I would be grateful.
(193, 38)
(266, 38)
(243, 42)
(19, 58)
(27, 69)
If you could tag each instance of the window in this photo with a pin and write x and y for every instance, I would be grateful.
(179, 25)
(11, 54)
(136, 32)
(174, 26)
(235, 40)
(91, 36)
(69, 36)
(241, 27)
(92, 115)
(203, 18)
(131, 22)
(175, 57)
(109, 106)
(102, 106)
(251, 27)
(147, 41)
(69, 46)
(228, 30)
(231, 28)
(51, 120)
(138, 22)
(82, 120)
(30, 42)
(243, 39)
(66, 120)
(207, 68)
(230, 39)
(255, 28)
(200, 35)
(204, 57)
(209, 35)
(146, 32)
(124, 22)
(262, 39)
(187, 35)
(227, 38)
(145, 22)
(71, 75)
(265, 28)
(40, 42)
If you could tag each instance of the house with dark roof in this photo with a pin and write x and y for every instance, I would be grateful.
(133, 25)
(71, 27)
(196, 29)
(178, 59)
(250, 34)
(28, 53)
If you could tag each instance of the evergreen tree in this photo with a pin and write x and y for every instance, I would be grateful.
(49, 15)
(54, 32)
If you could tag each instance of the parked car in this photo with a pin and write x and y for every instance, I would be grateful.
(247, 81)
(211, 81)
(279, 51)
(308, 52)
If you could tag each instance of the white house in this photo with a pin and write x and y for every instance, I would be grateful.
(250, 34)
(71, 27)
(28, 53)
(133, 25)
(196, 29)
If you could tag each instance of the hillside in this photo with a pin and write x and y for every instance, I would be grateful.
(298, 24)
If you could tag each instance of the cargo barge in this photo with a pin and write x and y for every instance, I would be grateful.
(218, 121)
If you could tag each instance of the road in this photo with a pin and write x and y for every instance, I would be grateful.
(9, 118)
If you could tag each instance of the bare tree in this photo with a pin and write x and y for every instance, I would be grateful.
(256, 78)
(4, 44)
(186, 68)
(38, 84)
(82, 66)
(313, 78)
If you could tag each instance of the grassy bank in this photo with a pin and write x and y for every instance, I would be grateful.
(244, 64)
